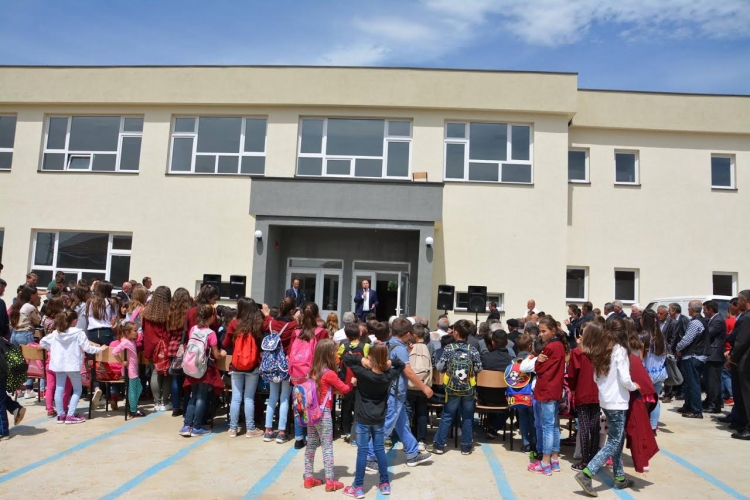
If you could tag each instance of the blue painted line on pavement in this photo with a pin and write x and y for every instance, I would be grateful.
(272, 475)
(390, 456)
(704, 475)
(28, 468)
(610, 481)
(47, 419)
(497, 470)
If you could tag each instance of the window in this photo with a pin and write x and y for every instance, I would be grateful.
(626, 285)
(725, 284)
(354, 147)
(82, 256)
(576, 284)
(626, 167)
(462, 301)
(7, 138)
(488, 152)
(578, 165)
(218, 145)
(93, 143)
(722, 172)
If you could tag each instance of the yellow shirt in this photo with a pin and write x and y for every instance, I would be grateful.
(366, 350)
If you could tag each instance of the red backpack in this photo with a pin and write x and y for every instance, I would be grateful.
(301, 358)
(161, 359)
(245, 356)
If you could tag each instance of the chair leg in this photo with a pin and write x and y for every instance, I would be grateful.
(511, 429)
(125, 398)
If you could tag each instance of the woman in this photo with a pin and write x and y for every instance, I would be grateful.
(654, 358)
(24, 317)
(177, 334)
(101, 311)
(332, 324)
(154, 332)
(284, 324)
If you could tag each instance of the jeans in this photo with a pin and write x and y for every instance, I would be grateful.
(537, 405)
(550, 427)
(75, 381)
(613, 447)
(49, 396)
(395, 419)
(160, 386)
(178, 394)
(526, 423)
(285, 388)
(416, 408)
(364, 434)
(726, 383)
(691, 371)
(455, 407)
(22, 338)
(7, 404)
(243, 387)
(654, 416)
(196, 408)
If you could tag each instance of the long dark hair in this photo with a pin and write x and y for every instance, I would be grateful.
(249, 319)
(309, 321)
(64, 319)
(23, 298)
(97, 305)
(653, 340)
(178, 308)
(287, 305)
(157, 309)
(597, 344)
(551, 324)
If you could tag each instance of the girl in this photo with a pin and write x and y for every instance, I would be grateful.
(127, 341)
(54, 307)
(200, 386)
(136, 305)
(370, 410)
(66, 345)
(78, 301)
(581, 381)
(309, 332)
(332, 324)
(177, 334)
(612, 374)
(24, 316)
(209, 294)
(100, 312)
(154, 332)
(325, 374)
(279, 392)
(550, 371)
(654, 359)
(245, 333)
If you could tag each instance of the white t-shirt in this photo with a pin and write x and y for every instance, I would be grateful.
(105, 322)
(615, 387)
(339, 336)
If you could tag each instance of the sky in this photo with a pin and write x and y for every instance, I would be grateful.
(699, 46)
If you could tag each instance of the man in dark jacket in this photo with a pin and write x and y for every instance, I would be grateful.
(739, 360)
(692, 349)
(4, 320)
(717, 332)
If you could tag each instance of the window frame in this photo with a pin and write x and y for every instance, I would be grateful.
(734, 277)
(466, 141)
(90, 154)
(11, 149)
(732, 171)
(496, 297)
(387, 138)
(636, 284)
(194, 135)
(587, 177)
(54, 268)
(636, 166)
(585, 283)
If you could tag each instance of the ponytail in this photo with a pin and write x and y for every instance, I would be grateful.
(309, 321)
(64, 320)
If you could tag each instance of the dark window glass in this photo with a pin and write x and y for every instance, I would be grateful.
(255, 135)
(488, 141)
(624, 167)
(368, 168)
(45, 249)
(228, 164)
(577, 165)
(219, 135)
(94, 133)
(253, 165)
(205, 164)
(7, 131)
(119, 269)
(312, 136)
(723, 284)
(721, 171)
(104, 163)
(58, 129)
(133, 125)
(483, 172)
(454, 161)
(516, 173)
(521, 142)
(456, 130)
(131, 153)
(184, 125)
(625, 285)
(44, 276)
(54, 161)
(355, 137)
(122, 242)
(398, 159)
(182, 154)
(339, 167)
(6, 160)
(82, 250)
(309, 166)
(575, 284)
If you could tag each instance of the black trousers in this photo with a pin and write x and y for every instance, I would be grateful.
(588, 430)
(714, 399)
(745, 385)
(347, 412)
(739, 396)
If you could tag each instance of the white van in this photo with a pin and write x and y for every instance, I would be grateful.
(722, 300)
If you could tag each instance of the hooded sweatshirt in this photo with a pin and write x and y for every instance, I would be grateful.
(66, 349)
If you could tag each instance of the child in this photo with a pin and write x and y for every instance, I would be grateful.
(370, 410)
(325, 374)
(528, 365)
(66, 345)
(200, 386)
(581, 381)
(127, 340)
(352, 345)
(53, 307)
(460, 362)
(612, 372)
(550, 371)
(526, 414)
(420, 353)
(496, 358)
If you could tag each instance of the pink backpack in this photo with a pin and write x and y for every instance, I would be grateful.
(308, 410)
(301, 358)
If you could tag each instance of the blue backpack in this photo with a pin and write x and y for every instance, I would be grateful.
(519, 392)
(274, 366)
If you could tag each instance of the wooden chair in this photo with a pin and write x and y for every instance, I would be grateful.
(106, 356)
(31, 353)
(488, 379)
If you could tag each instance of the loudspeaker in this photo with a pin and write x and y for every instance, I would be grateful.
(446, 297)
(212, 279)
(477, 299)
(237, 286)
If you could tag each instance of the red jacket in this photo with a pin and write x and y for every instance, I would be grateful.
(152, 334)
(639, 435)
(550, 374)
(581, 378)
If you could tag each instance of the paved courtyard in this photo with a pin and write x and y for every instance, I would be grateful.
(145, 458)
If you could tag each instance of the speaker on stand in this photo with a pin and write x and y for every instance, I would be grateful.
(446, 297)
(212, 279)
(237, 286)
(477, 301)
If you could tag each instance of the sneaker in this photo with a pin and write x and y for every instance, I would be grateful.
(167, 407)
(251, 433)
(311, 482)
(30, 395)
(466, 452)
(586, 484)
(555, 466)
(351, 491)
(421, 446)
(177, 413)
(42, 394)
(75, 419)
(388, 444)
(578, 467)
(540, 468)
(268, 436)
(61, 419)
(609, 462)
(385, 488)
(419, 459)
(281, 437)
(729, 401)
(525, 448)
(18, 415)
(114, 405)
(96, 398)
(51, 414)
(137, 414)
(185, 431)
(347, 438)
(333, 485)
(621, 485)
(372, 466)
(298, 443)
(159, 407)
(196, 432)
(232, 433)
(437, 450)
(534, 455)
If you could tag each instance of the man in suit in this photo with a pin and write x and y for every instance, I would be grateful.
(717, 332)
(124, 294)
(739, 360)
(674, 330)
(295, 293)
(366, 300)
(587, 314)
(4, 319)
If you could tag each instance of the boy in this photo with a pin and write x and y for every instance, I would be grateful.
(496, 359)
(526, 414)
(352, 345)
(460, 362)
(416, 402)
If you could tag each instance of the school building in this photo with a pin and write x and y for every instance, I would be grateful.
(516, 181)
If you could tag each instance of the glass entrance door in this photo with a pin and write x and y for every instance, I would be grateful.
(322, 286)
(403, 294)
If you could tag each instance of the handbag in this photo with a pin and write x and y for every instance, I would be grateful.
(175, 366)
(674, 375)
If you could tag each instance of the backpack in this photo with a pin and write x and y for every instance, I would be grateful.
(459, 376)
(195, 362)
(15, 367)
(245, 356)
(301, 358)
(308, 410)
(345, 373)
(518, 391)
(274, 366)
(161, 359)
(421, 363)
